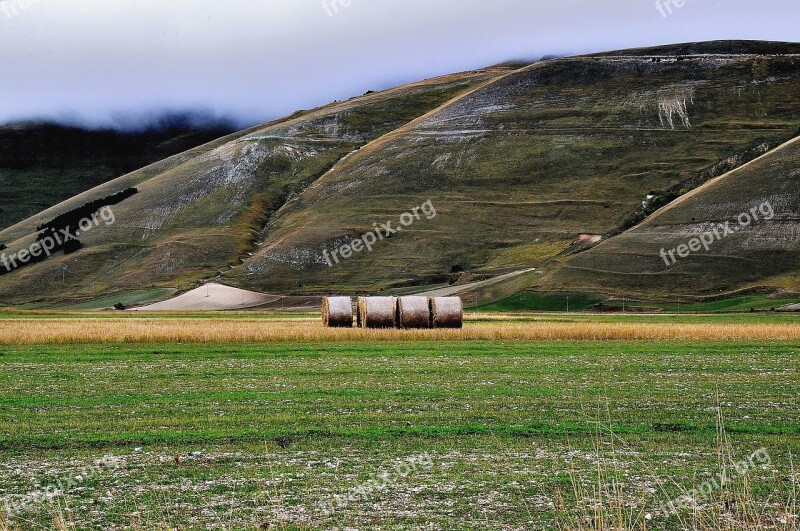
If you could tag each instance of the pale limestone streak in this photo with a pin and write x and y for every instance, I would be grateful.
(673, 105)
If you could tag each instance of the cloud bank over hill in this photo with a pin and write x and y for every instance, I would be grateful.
(110, 64)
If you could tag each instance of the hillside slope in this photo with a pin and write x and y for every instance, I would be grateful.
(759, 203)
(44, 164)
(519, 169)
(200, 212)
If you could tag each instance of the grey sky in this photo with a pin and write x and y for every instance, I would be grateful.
(97, 60)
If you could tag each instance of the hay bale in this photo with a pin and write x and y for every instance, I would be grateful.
(337, 312)
(413, 312)
(447, 312)
(376, 312)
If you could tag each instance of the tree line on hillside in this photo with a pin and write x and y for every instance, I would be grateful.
(74, 216)
(58, 233)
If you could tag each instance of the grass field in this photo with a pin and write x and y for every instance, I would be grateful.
(389, 433)
(576, 302)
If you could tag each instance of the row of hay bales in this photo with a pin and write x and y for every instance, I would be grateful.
(394, 312)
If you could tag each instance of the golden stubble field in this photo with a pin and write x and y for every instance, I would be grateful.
(172, 328)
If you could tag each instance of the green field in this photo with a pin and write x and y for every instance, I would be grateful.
(577, 302)
(544, 302)
(260, 436)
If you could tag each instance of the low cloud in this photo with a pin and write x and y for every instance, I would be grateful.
(111, 64)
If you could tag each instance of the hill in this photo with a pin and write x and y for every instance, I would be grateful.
(201, 212)
(43, 164)
(538, 163)
(494, 171)
(748, 225)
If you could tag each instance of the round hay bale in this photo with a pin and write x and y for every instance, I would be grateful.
(447, 312)
(413, 312)
(376, 312)
(337, 312)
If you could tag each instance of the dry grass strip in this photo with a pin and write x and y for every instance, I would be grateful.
(176, 330)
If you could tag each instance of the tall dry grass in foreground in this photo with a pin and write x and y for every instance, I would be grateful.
(604, 504)
(177, 330)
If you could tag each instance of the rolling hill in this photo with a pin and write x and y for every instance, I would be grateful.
(747, 222)
(201, 212)
(520, 168)
(525, 166)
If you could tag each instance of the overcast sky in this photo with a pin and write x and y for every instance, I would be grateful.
(98, 61)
